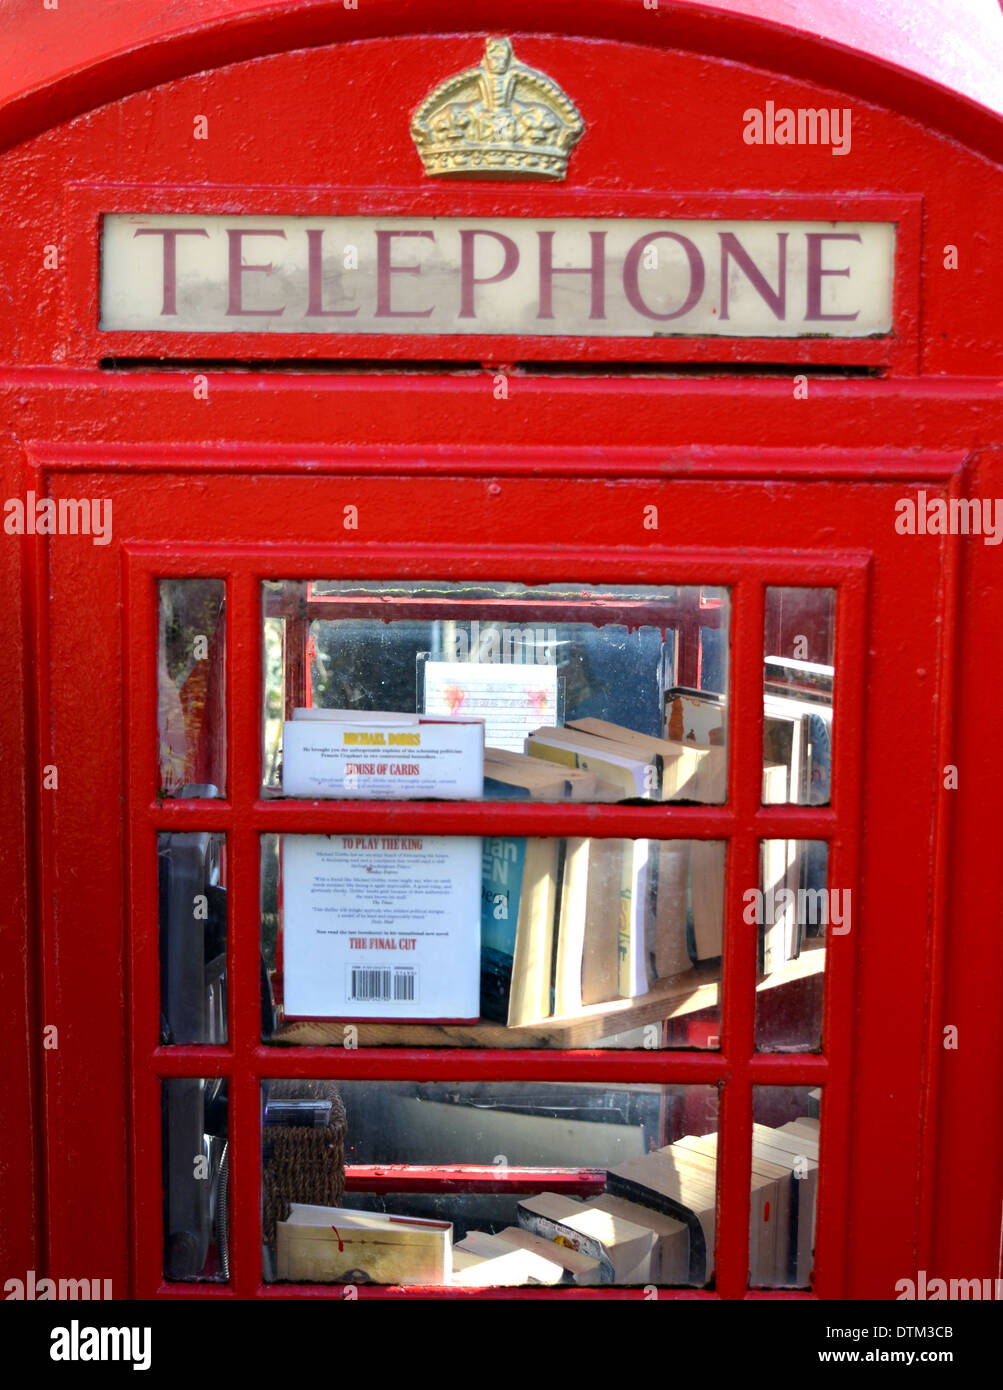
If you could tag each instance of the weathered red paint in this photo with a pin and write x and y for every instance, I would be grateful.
(754, 488)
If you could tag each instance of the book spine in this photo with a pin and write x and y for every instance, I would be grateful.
(646, 1197)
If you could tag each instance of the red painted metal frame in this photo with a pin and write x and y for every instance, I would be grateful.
(87, 344)
(244, 816)
(471, 1177)
(926, 949)
(127, 468)
(140, 45)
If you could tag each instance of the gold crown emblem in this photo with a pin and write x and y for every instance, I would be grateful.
(501, 120)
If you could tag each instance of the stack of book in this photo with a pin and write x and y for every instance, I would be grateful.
(680, 1181)
(567, 1240)
(571, 923)
(629, 765)
(655, 1224)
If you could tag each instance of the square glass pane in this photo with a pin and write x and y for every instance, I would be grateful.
(794, 911)
(798, 695)
(493, 942)
(193, 909)
(191, 698)
(196, 1179)
(556, 692)
(482, 1184)
(785, 1149)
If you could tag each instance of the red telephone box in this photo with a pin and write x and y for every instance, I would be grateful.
(652, 345)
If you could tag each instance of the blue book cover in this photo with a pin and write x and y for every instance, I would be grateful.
(503, 862)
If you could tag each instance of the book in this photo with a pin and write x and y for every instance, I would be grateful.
(671, 873)
(780, 874)
(589, 929)
(578, 1268)
(700, 1156)
(670, 1255)
(659, 750)
(770, 1213)
(684, 771)
(787, 1150)
(519, 882)
(316, 1245)
(481, 1259)
(707, 893)
(381, 926)
(637, 887)
(622, 1248)
(622, 773)
(807, 1129)
(605, 923)
(509, 775)
(366, 756)
(659, 1181)
(699, 774)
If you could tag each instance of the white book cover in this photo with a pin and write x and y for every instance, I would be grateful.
(381, 926)
(335, 757)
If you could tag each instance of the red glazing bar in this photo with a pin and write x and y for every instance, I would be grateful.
(840, 996)
(244, 933)
(745, 779)
(142, 912)
(472, 1177)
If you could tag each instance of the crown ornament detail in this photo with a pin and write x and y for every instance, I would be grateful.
(501, 120)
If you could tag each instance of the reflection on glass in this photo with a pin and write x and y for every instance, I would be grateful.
(793, 910)
(191, 705)
(586, 692)
(798, 692)
(196, 1179)
(496, 942)
(785, 1146)
(478, 1184)
(192, 891)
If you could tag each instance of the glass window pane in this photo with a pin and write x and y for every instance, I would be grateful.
(196, 1179)
(193, 897)
(579, 692)
(785, 1148)
(494, 942)
(191, 704)
(798, 694)
(478, 1184)
(794, 911)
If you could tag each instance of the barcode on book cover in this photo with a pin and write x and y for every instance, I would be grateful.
(374, 985)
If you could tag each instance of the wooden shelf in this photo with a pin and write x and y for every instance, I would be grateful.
(689, 993)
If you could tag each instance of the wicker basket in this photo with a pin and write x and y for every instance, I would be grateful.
(302, 1164)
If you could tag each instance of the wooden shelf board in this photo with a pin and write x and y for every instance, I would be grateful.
(689, 993)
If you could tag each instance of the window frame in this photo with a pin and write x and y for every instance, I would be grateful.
(243, 816)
